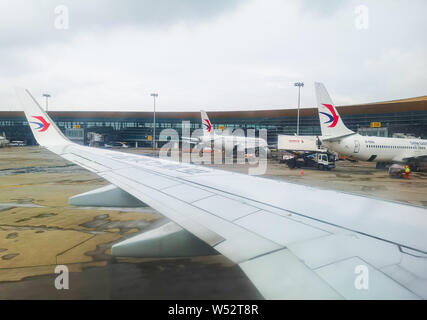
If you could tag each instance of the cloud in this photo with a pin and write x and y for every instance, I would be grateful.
(322, 8)
(33, 22)
(222, 56)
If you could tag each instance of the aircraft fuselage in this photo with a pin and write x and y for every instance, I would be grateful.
(378, 149)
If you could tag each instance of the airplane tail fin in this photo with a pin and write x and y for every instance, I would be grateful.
(43, 128)
(331, 123)
(206, 124)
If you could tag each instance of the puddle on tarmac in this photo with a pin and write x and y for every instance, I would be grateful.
(12, 235)
(54, 169)
(10, 256)
(102, 223)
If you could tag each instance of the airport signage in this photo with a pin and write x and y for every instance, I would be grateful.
(375, 124)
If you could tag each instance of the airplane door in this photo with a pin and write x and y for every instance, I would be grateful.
(356, 146)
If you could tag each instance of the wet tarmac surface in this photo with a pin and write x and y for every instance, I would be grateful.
(40, 230)
(55, 169)
(168, 279)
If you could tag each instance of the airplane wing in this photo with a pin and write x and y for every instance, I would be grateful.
(292, 241)
(404, 159)
(419, 158)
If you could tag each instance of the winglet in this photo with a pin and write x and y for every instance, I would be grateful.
(43, 128)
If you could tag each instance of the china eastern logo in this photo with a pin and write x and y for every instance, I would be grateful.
(208, 125)
(332, 117)
(43, 125)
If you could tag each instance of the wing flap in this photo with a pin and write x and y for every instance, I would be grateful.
(281, 275)
(342, 276)
(323, 251)
(280, 229)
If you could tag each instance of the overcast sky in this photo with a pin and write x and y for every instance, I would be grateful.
(217, 55)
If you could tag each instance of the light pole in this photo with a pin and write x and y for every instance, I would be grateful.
(47, 96)
(299, 85)
(154, 95)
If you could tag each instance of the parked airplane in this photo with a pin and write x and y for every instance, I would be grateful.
(292, 241)
(235, 141)
(337, 137)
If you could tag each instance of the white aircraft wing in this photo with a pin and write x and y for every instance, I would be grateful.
(292, 241)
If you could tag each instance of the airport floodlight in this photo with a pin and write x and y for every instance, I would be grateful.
(299, 85)
(154, 95)
(47, 96)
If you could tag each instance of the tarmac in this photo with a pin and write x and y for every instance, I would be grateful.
(40, 230)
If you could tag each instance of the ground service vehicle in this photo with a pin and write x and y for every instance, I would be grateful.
(319, 160)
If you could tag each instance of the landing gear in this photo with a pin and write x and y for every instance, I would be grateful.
(381, 165)
(292, 164)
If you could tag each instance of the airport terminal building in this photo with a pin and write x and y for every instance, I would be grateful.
(407, 116)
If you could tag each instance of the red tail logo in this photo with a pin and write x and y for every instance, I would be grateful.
(208, 125)
(43, 125)
(332, 118)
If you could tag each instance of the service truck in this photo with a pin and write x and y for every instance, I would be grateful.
(305, 152)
